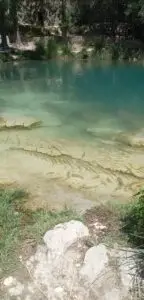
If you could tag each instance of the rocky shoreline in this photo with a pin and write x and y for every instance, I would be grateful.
(65, 267)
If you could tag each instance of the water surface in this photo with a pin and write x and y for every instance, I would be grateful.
(83, 108)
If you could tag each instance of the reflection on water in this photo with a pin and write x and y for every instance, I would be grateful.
(77, 96)
(86, 113)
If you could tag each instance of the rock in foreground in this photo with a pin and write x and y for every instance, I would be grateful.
(64, 268)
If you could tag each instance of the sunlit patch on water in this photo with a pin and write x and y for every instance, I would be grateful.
(88, 135)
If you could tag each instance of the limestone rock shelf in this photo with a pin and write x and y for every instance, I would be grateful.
(14, 122)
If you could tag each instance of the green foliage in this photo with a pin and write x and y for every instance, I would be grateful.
(4, 57)
(133, 228)
(126, 22)
(99, 45)
(38, 54)
(40, 50)
(51, 49)
(115, 52)
(17, 225)
(43, 220)
(105, 51)
(66, 50)
(84, 53)
(134, 221)
(10, 222)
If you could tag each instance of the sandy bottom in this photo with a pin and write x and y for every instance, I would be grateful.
(72, 173)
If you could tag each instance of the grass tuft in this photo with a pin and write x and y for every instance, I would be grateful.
(133, 228)
(134, 220)
(18, 225)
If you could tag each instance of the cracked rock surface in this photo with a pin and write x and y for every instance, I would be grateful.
(63, 267)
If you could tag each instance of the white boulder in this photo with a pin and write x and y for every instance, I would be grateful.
(64, 268)
(59, 239)
(95, 262)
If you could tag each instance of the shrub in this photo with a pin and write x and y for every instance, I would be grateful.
(134, 220)
(51, 49)
(39, 52)
(115, 52)
(133, 227)
(99, 45)
(66, 50)
(84, 54)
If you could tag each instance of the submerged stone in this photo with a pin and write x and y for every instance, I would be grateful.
(8, 122)
(102, 130)
(132, 139)
(105, 127)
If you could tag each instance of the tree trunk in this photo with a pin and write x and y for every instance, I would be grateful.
(64, 24)
(4, 43)
(3, 25)
(41, 15)
(14, 18)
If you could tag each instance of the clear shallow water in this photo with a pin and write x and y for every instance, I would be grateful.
(83, 108)
(72, 97)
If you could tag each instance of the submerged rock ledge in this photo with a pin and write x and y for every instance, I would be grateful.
(132, 139)
(14, 122)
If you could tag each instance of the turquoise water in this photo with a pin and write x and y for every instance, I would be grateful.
(91, 135)
(75, 99)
